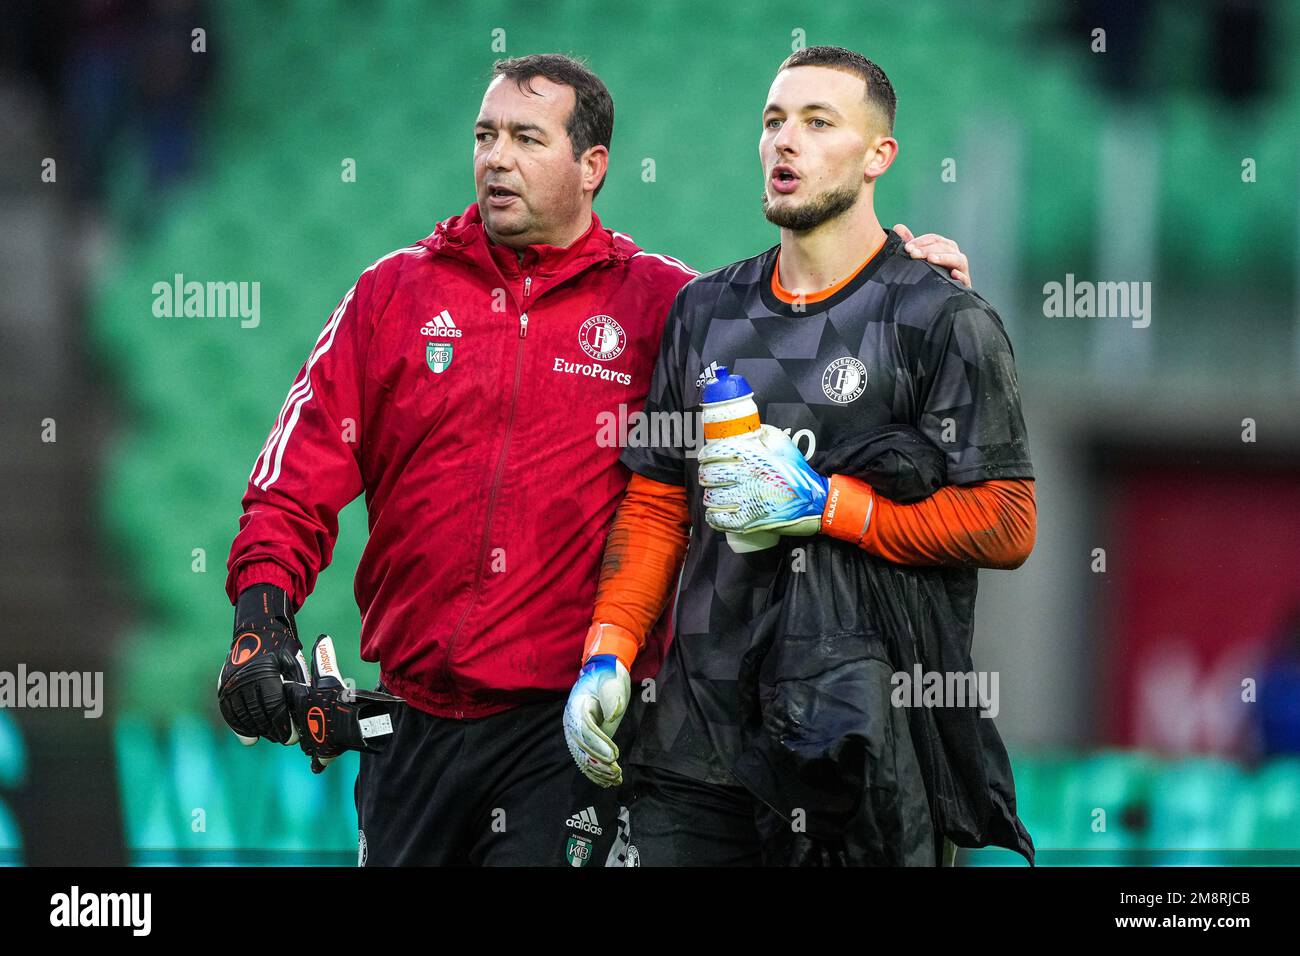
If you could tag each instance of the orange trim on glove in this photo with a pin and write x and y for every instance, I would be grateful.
(989, 524)
(611, 639)
(849, 504)
(638, 574)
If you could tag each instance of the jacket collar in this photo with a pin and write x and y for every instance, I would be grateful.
(464, 237)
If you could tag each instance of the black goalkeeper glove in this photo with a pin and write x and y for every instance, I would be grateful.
(331, 717)
(264, 654)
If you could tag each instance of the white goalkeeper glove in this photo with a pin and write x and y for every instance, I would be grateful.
(760, 483)
(596, 705)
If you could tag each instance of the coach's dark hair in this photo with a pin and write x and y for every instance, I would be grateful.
(592, 121)
(880, 92)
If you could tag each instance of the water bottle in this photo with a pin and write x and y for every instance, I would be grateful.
(728, 408)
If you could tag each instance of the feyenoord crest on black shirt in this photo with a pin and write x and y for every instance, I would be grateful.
(900, 343)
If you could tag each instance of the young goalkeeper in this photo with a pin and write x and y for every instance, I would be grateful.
(838, 330)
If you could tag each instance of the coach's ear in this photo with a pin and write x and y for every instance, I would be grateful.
(937, 250)
(595, 164)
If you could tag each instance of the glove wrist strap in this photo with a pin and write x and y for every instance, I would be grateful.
(263, 603)
(849, 505)
(611, 639)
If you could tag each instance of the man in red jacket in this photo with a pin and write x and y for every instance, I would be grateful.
(458, 385)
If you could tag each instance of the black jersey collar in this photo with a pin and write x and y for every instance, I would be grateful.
(789, 310)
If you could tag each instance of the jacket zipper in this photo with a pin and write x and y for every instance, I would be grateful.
(492, 499)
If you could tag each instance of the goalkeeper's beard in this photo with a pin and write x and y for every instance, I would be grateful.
(813, 213)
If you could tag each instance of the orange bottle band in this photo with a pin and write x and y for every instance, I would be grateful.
(731, 427)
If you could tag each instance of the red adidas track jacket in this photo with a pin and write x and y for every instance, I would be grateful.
(459, 388)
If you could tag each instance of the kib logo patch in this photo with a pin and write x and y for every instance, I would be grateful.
(438, 355)
(578, 851)
(602, 338)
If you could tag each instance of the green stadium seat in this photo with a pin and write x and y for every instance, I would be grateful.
(1200, 813)
(1105, 797)
(1275, 822)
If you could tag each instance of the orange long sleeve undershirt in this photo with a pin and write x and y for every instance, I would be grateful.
(643, 555)
(987, 524)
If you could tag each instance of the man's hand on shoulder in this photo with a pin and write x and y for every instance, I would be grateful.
(938, 250)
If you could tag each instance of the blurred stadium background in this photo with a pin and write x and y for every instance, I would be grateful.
(1168, 457)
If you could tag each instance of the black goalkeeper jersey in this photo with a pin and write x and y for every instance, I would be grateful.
(900, 343)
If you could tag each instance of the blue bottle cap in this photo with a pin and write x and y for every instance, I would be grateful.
(725, 387)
